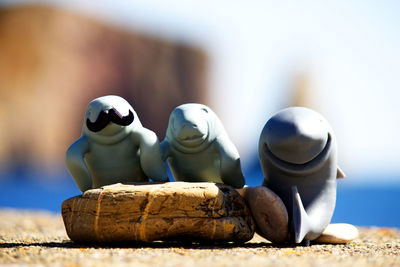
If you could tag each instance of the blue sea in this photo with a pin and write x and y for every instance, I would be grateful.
(360, 204)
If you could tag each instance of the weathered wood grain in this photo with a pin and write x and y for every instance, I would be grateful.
(126, 213)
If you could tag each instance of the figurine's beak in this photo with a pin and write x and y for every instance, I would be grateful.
(301, 221)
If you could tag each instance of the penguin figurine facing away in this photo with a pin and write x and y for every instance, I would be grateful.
(298, 155)
(114, 147)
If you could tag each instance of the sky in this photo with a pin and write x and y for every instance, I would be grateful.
(349, 50)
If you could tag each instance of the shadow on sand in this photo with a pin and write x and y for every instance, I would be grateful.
(158, 244)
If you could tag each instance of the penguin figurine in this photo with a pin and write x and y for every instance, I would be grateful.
(298, 155)
(114, 147)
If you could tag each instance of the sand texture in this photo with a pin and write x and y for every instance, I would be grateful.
(39, 238)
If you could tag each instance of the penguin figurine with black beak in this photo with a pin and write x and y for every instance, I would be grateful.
(298, 155)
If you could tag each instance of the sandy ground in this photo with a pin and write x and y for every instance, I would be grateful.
(39, 238)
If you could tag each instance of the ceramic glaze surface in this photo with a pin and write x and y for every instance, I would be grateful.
(298, 155)
(198, 149)
(114, 147)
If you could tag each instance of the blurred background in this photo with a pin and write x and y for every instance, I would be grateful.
(244, 59)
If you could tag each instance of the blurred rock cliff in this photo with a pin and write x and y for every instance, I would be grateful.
(53, 62)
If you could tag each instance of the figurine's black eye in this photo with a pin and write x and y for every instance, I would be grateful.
(205, 110)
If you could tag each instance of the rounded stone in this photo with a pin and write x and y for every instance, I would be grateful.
(338, 233)
(269, 213)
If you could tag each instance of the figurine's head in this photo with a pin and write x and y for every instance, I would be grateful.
(107, 117)
(296, 139)
(192, 127)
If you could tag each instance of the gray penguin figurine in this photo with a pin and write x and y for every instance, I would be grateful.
(114, 147)
(297, 151)
(198, 149)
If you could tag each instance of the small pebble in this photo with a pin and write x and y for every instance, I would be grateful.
(338, 233)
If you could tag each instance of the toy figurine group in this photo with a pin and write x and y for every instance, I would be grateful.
(297, 151)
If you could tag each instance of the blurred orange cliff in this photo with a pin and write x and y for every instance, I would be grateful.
(53, 62)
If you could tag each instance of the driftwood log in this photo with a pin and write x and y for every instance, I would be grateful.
(144, 213)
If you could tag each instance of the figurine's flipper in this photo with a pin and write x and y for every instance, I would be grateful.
(340, 174)
(301, 221)
(150, 156)
(76, 164)
(231, 172)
